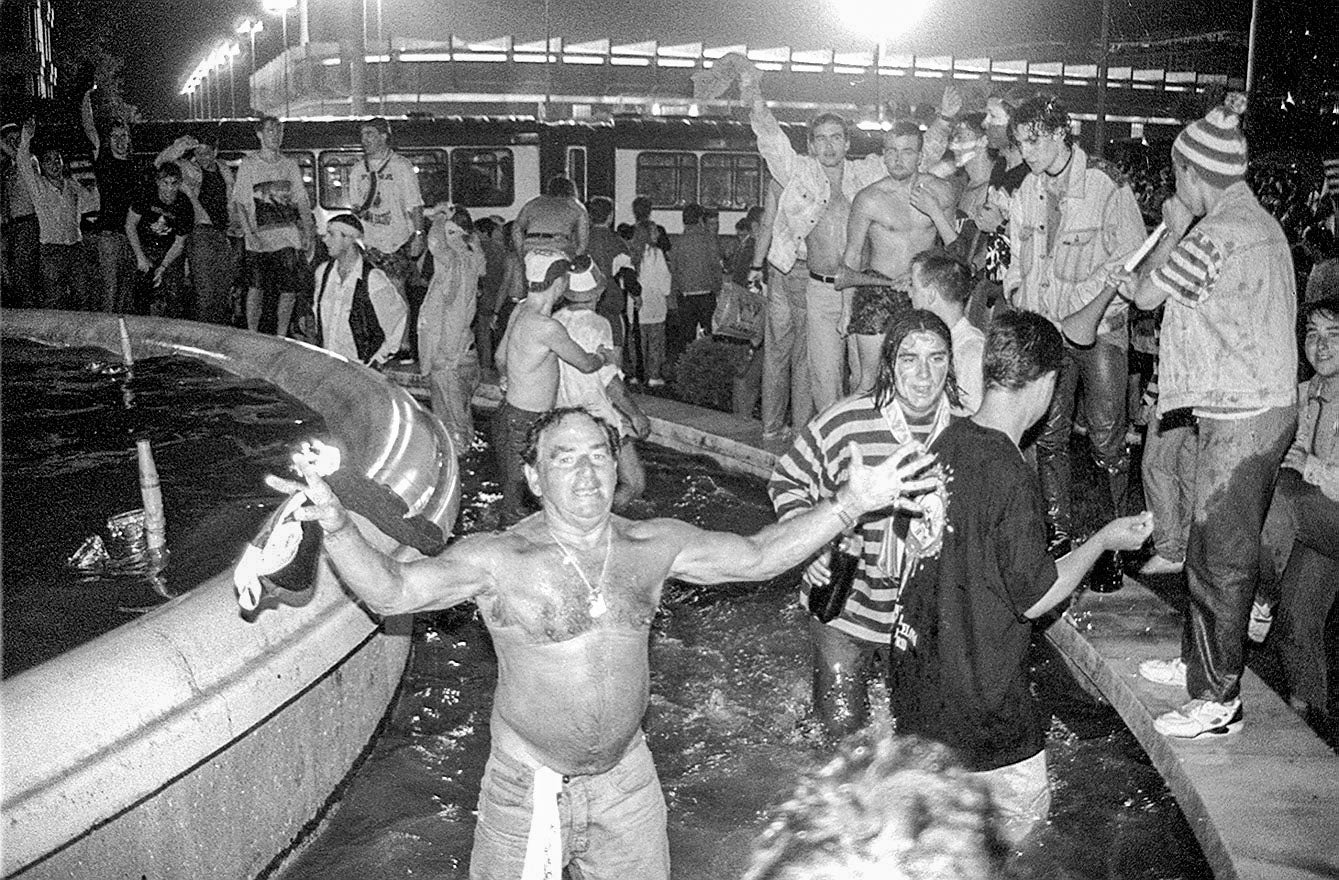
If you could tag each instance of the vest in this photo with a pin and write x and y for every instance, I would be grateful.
(214, 197)
(363, 322)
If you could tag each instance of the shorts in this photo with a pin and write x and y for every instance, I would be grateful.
(281, 271)
(874, 307)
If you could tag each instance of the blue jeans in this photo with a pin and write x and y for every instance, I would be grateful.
(1169, 469)
(613, 823)
(1236, 462)
(785, 368)
(116, 269)
(843, 667)
(1102, 370)
(451, 390)
(510, 426)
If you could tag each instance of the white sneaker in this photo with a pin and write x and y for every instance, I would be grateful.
(1168, 672)
(1201, 718)
(1262, 618)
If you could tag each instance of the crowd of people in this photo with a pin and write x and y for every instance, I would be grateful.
(940, 319)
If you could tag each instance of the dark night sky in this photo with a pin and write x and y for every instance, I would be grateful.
(162, 39)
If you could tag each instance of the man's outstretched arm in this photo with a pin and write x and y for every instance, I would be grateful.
(712, 557)
(386, 585)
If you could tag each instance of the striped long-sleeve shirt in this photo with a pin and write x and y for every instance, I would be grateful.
(813, 470)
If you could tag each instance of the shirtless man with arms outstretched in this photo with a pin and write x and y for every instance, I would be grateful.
(568, 596)
(527, 357)
(891, 217)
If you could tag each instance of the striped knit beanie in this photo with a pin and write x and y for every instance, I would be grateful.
(1215, 144)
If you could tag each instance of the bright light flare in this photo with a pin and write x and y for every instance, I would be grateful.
(278, 7)
(881, 18)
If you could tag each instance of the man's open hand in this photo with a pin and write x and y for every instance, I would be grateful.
(893, 483)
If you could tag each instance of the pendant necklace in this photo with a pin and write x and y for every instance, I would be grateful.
(595, 603)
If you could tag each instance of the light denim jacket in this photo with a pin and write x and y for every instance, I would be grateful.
(1100, 225)
(805, 190)
(1231, 344)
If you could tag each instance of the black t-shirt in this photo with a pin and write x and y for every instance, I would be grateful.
(160, 223)
(118, 186)
(958, 670)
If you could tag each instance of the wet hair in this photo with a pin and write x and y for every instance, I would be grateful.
(560, 185)
(486, 226)
(904, 128)
(946, 275)
(693, 214)
(461, 217)
(755, 214)
(259, 124)
(1021, 347)
(899, 328)
(117, 124)
(168, 171)
(885, 806)
(599, 209)
(625, 231)
(830, 119)
(553, 418)
(1043, 114)
(1327, 307)
(641, 209)
(743, 224)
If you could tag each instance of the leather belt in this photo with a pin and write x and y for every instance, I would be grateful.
(826, 279)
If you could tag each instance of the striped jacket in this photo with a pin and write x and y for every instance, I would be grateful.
(813, 470)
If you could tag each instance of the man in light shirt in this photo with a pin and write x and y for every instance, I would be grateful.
(355, 309)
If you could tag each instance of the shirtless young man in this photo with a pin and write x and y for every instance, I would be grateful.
(892, 216)
(554, 221)
(811, 217)
(527, 358)
(568, 596)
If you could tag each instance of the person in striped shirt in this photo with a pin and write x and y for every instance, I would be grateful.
(1229, 356)
(910, 404)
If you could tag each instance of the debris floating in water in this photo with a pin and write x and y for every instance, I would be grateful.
(91, 556)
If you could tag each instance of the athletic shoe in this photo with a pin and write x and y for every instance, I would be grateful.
(1169, 672)
(1161, 565)
(1201, 718)
(1262, 618)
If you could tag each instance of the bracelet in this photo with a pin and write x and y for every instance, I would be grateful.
(344, 526)
(848, 521)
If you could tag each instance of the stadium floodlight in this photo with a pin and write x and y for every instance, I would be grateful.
(881, 18)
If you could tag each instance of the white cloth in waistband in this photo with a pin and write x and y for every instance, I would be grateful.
(544, 847)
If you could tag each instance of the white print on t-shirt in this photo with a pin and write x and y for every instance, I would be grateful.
(274, 204)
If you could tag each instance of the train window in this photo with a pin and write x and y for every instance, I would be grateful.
(731, 181)
(337, 165)
(669, 180)
(482, 177)
(576, 170)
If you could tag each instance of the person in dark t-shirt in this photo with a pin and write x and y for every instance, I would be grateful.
(958, 670)
(157, 225)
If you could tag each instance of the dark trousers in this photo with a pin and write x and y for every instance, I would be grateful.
(1102, 372)
(212, 266)
(510, 426)
(116, 271)
(695, 312)
(23, 263)
(1236, 462)
(63, 276)
(1307, 626)
(843, 667)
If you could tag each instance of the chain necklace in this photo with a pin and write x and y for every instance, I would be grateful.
(595, 602)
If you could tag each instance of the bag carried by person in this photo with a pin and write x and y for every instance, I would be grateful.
(740, 313)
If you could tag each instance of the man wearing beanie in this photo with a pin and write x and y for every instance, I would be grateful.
(1229, 356)
(1073, 218)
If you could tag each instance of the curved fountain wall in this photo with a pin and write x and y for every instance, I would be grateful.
(190, 743)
